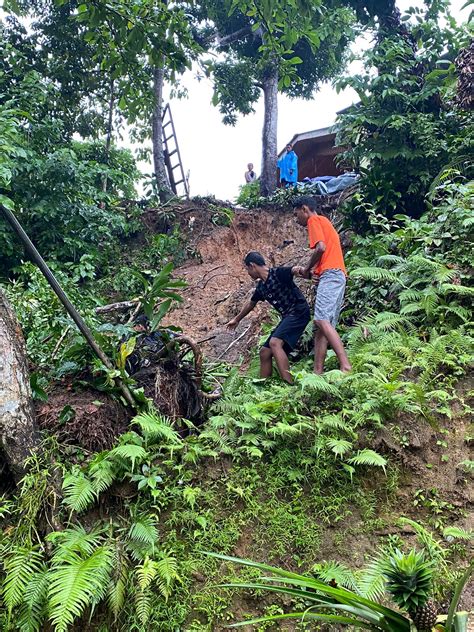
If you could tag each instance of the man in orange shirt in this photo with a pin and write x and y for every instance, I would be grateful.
(326, 264)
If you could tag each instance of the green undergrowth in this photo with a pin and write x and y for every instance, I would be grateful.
(290, 475)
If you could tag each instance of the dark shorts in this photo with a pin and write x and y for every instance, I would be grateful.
(290, 329)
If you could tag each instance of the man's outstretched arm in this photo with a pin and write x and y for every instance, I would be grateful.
(246, 309)
(316, 255)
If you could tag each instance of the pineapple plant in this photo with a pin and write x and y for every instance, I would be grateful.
(409, 582)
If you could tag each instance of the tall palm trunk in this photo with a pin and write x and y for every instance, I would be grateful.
(161, 177)
(268, 178)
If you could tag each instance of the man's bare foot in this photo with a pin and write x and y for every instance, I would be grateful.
(346, 369)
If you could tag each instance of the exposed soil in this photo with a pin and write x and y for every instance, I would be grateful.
(218, 284)
(85, 418)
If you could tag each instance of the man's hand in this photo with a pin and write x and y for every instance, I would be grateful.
(232, 324)
(301, 271)
(298, 271)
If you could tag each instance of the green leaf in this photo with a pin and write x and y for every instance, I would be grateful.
(130, 452)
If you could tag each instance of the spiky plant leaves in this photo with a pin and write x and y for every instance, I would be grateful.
(409, 579)
(368, 457)
(360, 611)
(77, 583)
(20, 564)
(451, 620)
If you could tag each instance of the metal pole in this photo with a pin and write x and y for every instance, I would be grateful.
(71, 310)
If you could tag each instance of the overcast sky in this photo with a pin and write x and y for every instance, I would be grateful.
(216, 155)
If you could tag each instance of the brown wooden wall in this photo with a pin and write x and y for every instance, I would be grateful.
(316, 157)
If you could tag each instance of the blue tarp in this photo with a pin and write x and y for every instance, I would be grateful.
(327, 185)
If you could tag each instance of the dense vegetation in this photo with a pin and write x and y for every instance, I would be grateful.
(313, 477)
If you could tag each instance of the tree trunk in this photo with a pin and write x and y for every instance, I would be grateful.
(268, 178)
(161, 177)
(19, 435)
(108, 140)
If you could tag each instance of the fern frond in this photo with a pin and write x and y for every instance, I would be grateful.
(393, 259)
(339, 446)
(146, 573)
(411, 308)
(20, 565)
(336, 572)
(458, 533)
(75, 540)
(372, 273)
(370, 580)
(130, 452)
(368, 457)
(32, 611)
(76, 584)
(79, 491)
(314, 382)
(167, 569)
(118, 579)
(335, 422)
(461, 290)
(102, 472)
(156, 426)
(144, 531)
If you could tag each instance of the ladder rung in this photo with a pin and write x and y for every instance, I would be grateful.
(179, 181)
(175, 151)
(166, 124)
(167, 138)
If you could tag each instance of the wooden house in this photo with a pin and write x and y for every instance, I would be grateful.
(316, 153)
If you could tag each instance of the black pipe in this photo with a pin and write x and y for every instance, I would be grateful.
(71, 310)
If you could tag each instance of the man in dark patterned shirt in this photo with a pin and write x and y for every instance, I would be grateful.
(276, 286)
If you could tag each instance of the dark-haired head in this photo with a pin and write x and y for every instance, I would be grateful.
(304, 206)
(254, 262)
(304, 200)
(254, 257)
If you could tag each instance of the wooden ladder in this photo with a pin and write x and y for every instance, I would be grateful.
(170, 149)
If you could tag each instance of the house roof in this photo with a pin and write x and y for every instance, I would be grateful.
(315, 133)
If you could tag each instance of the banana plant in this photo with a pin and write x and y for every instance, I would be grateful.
(325, 603)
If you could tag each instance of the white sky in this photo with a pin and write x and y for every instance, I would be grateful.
(216, 155)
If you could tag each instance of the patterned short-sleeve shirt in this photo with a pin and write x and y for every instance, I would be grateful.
(280, 291)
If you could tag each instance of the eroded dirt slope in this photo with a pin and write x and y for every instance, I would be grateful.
(218, 284)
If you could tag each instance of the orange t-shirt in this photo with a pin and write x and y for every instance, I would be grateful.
(321, 229)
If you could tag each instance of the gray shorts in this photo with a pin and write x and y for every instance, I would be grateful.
(329, 296)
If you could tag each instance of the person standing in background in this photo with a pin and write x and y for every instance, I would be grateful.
(250, 175)
(288, 165)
